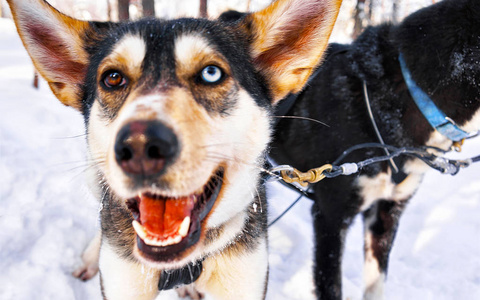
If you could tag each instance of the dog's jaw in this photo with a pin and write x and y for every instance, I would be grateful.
(165, 226)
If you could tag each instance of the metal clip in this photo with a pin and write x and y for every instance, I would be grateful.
(304, 178)
(457, 146)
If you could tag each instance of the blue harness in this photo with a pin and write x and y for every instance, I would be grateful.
(437, 118)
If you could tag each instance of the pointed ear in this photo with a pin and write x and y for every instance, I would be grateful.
(288, 39)
(55, 42)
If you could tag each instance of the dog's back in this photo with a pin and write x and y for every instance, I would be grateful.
(441, 47)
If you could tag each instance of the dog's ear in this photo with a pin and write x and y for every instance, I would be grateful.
(288, 39)
(56, 44)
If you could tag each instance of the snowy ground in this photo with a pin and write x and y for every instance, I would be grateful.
(47, 215)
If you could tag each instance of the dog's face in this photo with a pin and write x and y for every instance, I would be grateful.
(177, 131)
(177, 112)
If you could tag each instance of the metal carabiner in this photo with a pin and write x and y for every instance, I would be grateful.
(304, 178)
(457, 146)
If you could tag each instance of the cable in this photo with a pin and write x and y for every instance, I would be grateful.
(286, 210)
(378, 145)
(375, 127)
(441, 164)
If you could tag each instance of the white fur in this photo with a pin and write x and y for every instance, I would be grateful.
(375, 188)
(376, 290)
(239, 276)
(100, 138)
(126, 280)
(246, 133)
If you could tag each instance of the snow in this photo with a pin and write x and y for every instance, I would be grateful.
(47, 214)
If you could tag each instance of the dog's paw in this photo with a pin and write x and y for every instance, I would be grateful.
(90, 256)
(86, 271)
(189, 291)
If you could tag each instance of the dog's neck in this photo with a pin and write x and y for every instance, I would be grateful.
(436, 117)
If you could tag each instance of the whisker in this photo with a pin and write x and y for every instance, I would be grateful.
(86, 166)
(303, 118)
(219, 158)
(77, 162)
(222, 144)
(259, 199)
(191, 274)
(69, 137)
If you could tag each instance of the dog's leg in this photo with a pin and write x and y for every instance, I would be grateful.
(381, 223)
(331, 227)
(125, 279)
(90, 259)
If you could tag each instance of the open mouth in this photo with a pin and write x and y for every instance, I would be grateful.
(165, 226)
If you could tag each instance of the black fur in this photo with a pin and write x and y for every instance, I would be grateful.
(441, 46)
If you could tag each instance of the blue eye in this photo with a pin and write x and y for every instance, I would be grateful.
(211, 74)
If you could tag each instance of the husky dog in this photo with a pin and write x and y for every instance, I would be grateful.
(440, 49)
(178, 116)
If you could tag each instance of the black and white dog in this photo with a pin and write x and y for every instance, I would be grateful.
(440, 46)
(178, 117)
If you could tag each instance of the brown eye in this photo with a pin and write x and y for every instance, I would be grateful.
(114, 79)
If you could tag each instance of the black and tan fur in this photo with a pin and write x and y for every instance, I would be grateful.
(441, 47)
(158, 130)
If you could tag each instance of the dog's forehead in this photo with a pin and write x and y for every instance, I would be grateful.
(158, 42)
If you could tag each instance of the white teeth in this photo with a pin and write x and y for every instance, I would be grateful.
(162, 243)
(139, 229)
(177, 239)
(184, 227)
(153, 241)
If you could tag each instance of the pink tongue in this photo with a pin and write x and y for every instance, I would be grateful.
(162, 218)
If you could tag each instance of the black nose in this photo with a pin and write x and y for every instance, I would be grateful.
(145, 147)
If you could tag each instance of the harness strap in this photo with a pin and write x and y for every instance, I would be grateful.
(436, 117)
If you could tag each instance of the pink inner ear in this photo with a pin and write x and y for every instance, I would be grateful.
(52, 55)
(297, 34)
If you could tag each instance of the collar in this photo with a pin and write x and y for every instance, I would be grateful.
(436, 117)
(170, 279)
